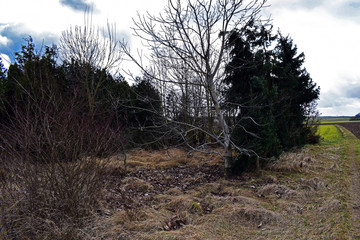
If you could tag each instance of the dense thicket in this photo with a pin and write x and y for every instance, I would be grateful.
(39, 85)
(270, 90)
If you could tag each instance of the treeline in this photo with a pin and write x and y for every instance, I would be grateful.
(268, 101)
(39, 85)
(355, 118)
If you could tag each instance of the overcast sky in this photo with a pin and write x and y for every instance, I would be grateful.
(328, 32)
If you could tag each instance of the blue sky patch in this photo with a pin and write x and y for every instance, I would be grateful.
(77, 5)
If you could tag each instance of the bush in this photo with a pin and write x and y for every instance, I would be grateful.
(52, 175)
(48, 201)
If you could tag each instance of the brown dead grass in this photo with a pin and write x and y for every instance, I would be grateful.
(293, 162)
(298, 197)
(253, 216)
(136, 184)
(280, 191)
(164, 158)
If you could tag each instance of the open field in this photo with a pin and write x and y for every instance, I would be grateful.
(335, 119)
(172, 195)
(353, 127)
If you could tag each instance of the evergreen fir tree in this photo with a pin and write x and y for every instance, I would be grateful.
(295, 91)
(251, 87)
(270, 90)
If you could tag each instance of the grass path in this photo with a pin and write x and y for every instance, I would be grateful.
(351, 144)
(354, 203)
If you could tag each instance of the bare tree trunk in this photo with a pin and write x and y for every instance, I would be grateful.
(257, 164)
(208, 109)
(228, 161)
(192, 35)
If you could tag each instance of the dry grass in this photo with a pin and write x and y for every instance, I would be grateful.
(299, 197)
(293, 162)
(253, 216)
(302, 196)
(136, 184)
(279, 191)
(164, 158)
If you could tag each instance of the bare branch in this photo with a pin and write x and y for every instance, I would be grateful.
(187, 44)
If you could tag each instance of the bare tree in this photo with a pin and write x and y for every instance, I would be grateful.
(193, 33)
(92, 47)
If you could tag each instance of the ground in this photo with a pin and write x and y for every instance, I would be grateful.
(312, 193)
(309, 193)
(353, 127)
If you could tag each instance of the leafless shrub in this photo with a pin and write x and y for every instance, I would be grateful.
(53, 179)
(312, 122)
(49, 200)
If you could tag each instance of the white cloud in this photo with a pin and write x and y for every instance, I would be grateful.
(4, 40)
(38, 16)
(5, 60)
(341, 106)
(50, 16)
(331, 48)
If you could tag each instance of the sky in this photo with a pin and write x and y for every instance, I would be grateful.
(328, 32)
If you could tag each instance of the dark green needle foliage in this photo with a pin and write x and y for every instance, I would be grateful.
(296, 91)
(269, 90)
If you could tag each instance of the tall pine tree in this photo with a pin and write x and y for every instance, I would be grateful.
(296, 91)
(270, 90)
(252, 92)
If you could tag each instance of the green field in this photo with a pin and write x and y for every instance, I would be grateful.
(330, 134)
(335, 120)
